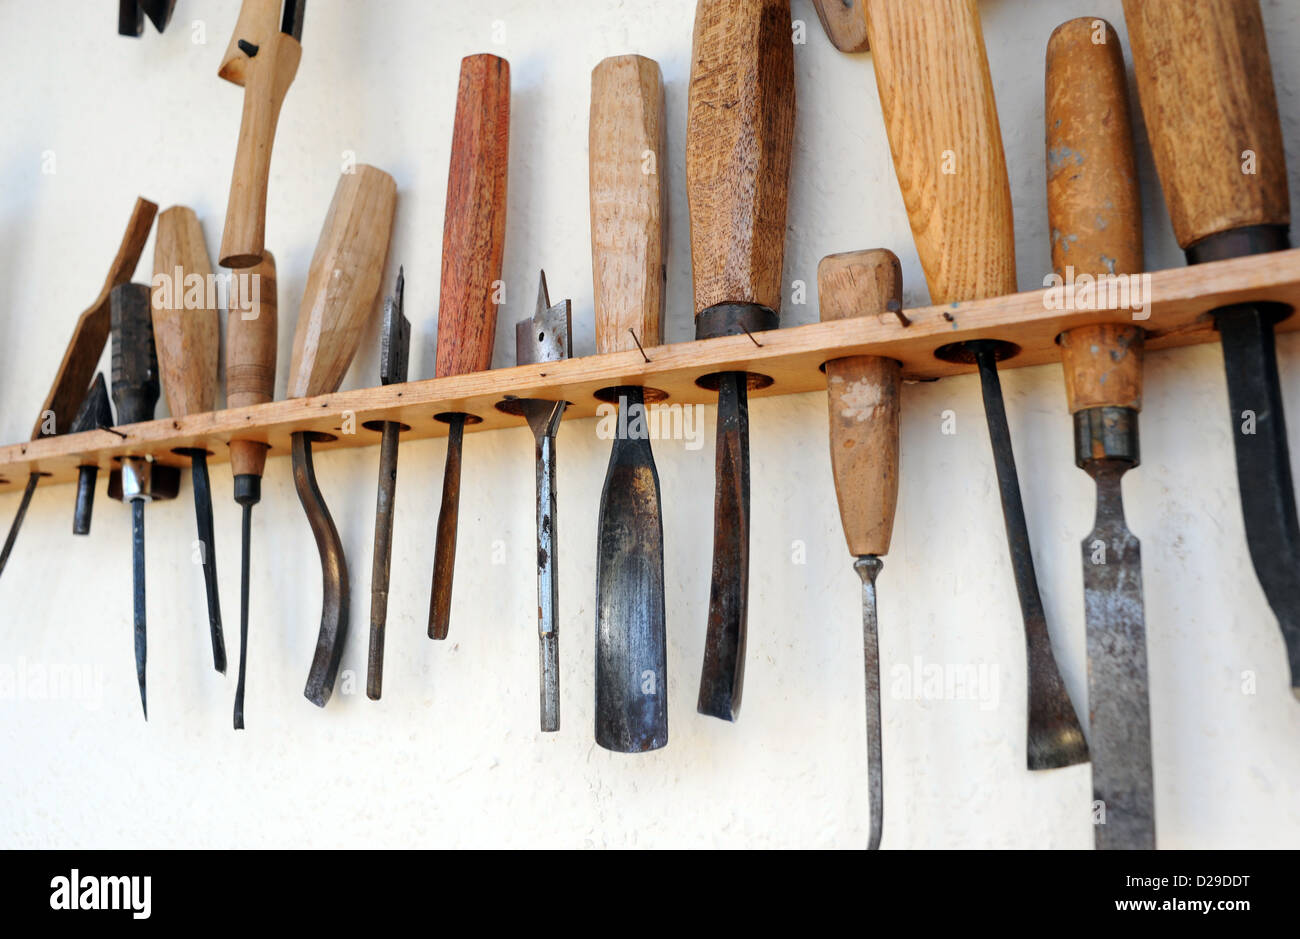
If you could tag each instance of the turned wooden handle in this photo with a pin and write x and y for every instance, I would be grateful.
(474, 231)
(1207, 95)
(739, 130)
(864, 393)
(845, 23)
(936, 93)
(258, 21)
(343, 281)
(251, 333)
(629, 201)
(186, 329)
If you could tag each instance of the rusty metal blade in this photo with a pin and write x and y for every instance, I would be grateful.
(868, 567)
(444, 554)
(137, 593)
(334, 575)
(17, 523)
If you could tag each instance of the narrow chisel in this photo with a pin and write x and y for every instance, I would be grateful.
(96, 414)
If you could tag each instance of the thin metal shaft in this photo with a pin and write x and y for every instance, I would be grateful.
(382, 557)
(246, 545)
(207, 539)
(444, 556)
(548, 633)
(868, 567)
(32, 480)
(137, 570)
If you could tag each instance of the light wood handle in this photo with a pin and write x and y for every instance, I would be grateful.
(845, 23)
(343, 281)
(1211, 113)
(629, 201)
(258, 21)
(186, 329)
(474, 231)
(739, 130)
(936, 93)
(251, 334)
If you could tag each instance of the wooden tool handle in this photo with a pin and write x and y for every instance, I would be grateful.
(739, 130)
(629, 201)
(474, 232)
(186, 329)
(343, 281)
(864, 393)
(251, 332)
(1207, 94)
(936, 93)
(134, 362)
(258, 21)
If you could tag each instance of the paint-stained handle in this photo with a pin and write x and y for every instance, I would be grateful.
(251, 332)
(864, 393)
(186, 329)
(629, 201)
(739, 130)
(936, 93)
(474, 231)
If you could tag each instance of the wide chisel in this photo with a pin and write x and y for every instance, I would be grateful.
(96, 413)
(473, 242)
(739, 131)
(1094, 212)
(628, 255)
(1206, 87)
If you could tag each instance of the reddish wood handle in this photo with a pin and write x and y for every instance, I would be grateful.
(251, 335)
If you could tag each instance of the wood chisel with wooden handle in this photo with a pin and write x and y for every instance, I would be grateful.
(1206, 87)
(1094, 210)
(343, 285)
(473, 243)
(739, 131)
(628, 255)
(187, 335)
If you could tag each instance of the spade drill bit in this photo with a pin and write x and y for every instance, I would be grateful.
(96, 414)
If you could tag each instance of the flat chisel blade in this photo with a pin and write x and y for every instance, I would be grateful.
(137, 593)
(868, 568)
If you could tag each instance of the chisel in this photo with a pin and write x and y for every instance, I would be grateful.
(1206, 88)
(473, 241)
(187, 335)
(343, 285)
(739, 131)
(628, 257)
(936, 93)
(1094, 210)
(96, 414)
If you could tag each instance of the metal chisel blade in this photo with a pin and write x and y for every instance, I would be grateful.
(868, 568)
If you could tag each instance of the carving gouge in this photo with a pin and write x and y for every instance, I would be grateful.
(1095, 217)
(739, 130)
(342, 288)
(1206, 87)
(628, 255)
(96, 414)
(473, 240)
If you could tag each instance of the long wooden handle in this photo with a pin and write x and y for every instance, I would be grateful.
(474, 231)
(1211, 113)
(739, 130)
(251, 333)
(258, 21)
(936, 93)
(343, 281)
(186, 328)
(629, 201)
(864, 392)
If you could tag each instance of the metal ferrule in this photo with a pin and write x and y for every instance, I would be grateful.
(248, 489)
(1239, 243)
(734, 319)
(137, 479)
(1106, 433)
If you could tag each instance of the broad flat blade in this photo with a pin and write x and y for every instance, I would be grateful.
(395, 340)
(547, 335)
(868, 568)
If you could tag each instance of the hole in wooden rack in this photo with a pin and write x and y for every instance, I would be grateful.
(611, 394)
(192, 451)
(961, 353)
(318, 436)
(515, 406)
(378, 426)
(754, 381)
(445, 417)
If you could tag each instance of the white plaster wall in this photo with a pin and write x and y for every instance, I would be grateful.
(452, 755)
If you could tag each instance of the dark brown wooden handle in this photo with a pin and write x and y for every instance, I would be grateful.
(739, 130)
(474, 232)
(1207, 95)
(251, 333)
(186, 329)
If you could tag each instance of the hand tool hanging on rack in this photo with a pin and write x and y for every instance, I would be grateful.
(251, 336)
(1206, 88)
(187, 335)
(96, 414)
(739, 130)
(131, 14)
(343, 284)
(394, 353)
(1094, 213)
(262, 58)
(82, 354)
(863, 396)
(937, 97)
(473, 241)
(628, 256)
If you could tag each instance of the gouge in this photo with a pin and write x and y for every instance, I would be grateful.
(187, 336)
(251, 336)
(863, 396)
(473, 241)
(628, 257)
(342, 289)
(1206, 87)
(96, 414)
(262, 57)
(1094, 213)
(937, 97)
(739, 130)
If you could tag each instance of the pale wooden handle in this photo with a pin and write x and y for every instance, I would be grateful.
(1103, 366)
(1207, 94)
(936, 93)
(739, 130)
(845, 23)
(258, 21)
(343, 281)
(629, 201)
(864, 392)
(251, 335)
(186, 330)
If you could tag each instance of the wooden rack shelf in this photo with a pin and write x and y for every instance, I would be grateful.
(1180, 300)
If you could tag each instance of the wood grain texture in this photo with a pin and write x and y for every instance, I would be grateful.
(251, 334)
(936, 93)
(258, 21)
(739, 130)
(343, 281)
(845, 23)
(474, 230)
(629, 201)
(1207, 95)
(186, 329)
(1103, 366)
